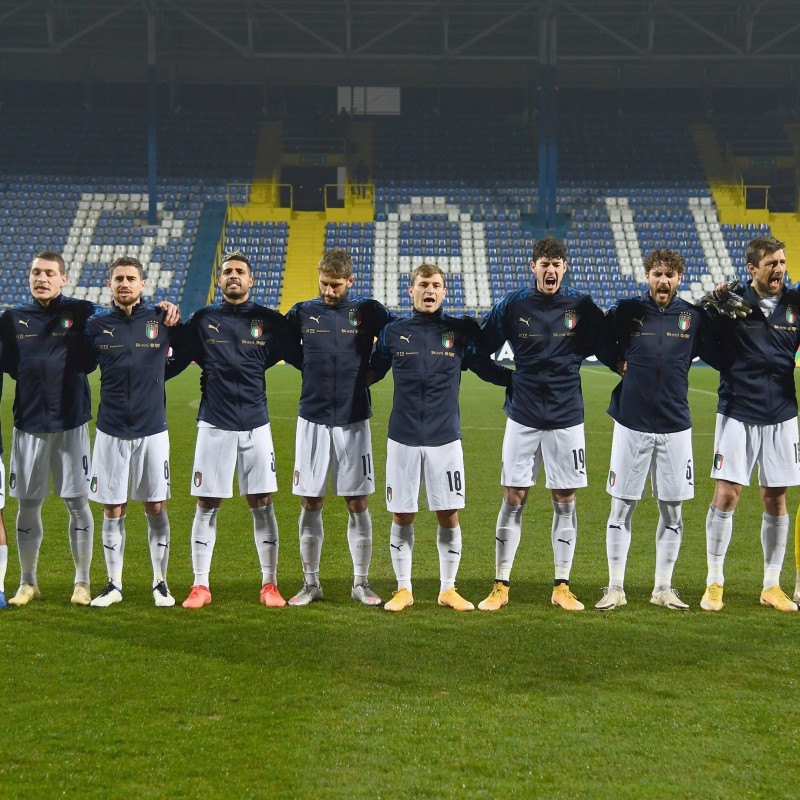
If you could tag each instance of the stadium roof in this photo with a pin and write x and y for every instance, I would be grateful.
(405, 42)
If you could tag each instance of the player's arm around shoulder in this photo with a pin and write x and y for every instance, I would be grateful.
(172, 313)
(478, 357)
(381, 360)
(617, 320)
(184, 344)
(289, 339)
(379, 315)
(494, 328)
(280, 344)
(597, 337)
(91, 332)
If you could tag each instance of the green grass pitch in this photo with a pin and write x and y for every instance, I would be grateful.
(341, 701)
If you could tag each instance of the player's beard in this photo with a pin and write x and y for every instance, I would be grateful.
(127, 300)
(765, 289)
(234, 292)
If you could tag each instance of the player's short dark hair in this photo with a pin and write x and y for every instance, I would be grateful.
(337, 263)
(671, 259)
(49, 255)
(426, 271)
(126, 261)
(237, 255)
(762, 246)
(549, 247)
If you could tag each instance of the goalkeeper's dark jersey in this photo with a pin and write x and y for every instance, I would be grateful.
(757, 360)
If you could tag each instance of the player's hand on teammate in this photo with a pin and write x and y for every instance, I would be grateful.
(726, 302)
(471, 325)
(172, 314)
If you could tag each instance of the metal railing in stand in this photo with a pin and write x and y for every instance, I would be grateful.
(265, 196)
(349, 195)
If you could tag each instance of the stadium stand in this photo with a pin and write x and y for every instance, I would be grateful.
(264, 243)
(461, 193)
(76, 185)
(91, 222)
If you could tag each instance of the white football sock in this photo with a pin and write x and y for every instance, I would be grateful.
(29, 538)
(563, 535)
(265, 533)
(158, 539)
(774, 534)
(114, 548)
(618, 540)
(312, 535)
(3, 566)
(507, 535)
(81, 535)
(669, 533)
(719, 529)
(401, 548)
(204, 537)
(448, 543)
(359, 540)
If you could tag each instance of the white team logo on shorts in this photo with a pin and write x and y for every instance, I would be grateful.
(612, 477)
(570, 319)
(256, 328)
(151, 329)
(12, 480)
(93, 484)
(719, 459)
(685, 321)
(296, 477)
(198, 478)
(388, 494)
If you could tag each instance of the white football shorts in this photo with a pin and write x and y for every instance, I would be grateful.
(665, 457)
(34, 456)
(441, 468)
(739, 446)
(563, 452)
(218, 453)
(342, 451)
(135, 469)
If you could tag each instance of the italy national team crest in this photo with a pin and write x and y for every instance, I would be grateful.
(388, 494)
(791, 314)
(612, 477)
(355, 317)
(66, 321)
(719, 460)
(685, 321)
(296, 477)
(198, 478)
(570, 319)
(448, 340)
(12, 480)
(93, 484)
(256, 327)
(151, 329)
